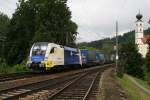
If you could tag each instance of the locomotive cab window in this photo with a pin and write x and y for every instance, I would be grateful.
(39, 49)
(52, 50)
(76, 53)
(71, 53)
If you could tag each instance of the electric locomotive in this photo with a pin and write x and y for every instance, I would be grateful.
(45, 56)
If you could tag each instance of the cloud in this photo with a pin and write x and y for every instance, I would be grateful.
(99, 16)
(8, 6)
(96, 18)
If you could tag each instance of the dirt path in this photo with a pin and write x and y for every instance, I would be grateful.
(110, 90)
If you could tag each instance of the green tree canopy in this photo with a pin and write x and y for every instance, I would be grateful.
(133, 60)
(39, 20)
(4, 27)
(147, 64)
(4, 23)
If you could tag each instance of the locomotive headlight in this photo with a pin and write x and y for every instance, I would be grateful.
(29, 62)
(46, 58)
(29, 65)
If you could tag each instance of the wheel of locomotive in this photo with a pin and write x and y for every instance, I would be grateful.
(58, 68)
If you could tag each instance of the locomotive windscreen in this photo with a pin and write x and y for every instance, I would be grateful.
(39, 49)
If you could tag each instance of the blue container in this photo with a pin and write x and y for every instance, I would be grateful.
(89, 56)
(98, 58)
(84, 56)
(92, 56)
(71, 56)
(101, 58)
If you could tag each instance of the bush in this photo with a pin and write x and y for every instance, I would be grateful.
(147, 77)
(147, 66)
(132, 60)
(120, 69)
(21, 67)
(4, 69)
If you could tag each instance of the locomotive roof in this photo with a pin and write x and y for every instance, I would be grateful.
(41, 43)
(71, 49)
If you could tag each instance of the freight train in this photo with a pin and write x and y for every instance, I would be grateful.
(45, 56)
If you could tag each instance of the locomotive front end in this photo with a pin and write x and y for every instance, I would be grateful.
(37, 57)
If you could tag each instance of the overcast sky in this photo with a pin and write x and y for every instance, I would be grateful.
(96, 18)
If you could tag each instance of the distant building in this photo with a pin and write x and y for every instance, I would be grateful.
(140, 38)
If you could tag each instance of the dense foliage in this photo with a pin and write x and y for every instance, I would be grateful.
(38, 20)
(4, 27)
(4, 23)
(121, 66)
(147, 64)
(104, 45)
(107, 45)
(132, 60)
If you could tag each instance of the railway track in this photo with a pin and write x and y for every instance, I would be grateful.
(14, 76)
(16, 93)
(77, 90)
(67, 87)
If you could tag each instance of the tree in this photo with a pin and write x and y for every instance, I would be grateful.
(120, 69)
(21, 32)
(4, 23)
(36, 21)
(147, 63)
(4, 28)
(132, 59)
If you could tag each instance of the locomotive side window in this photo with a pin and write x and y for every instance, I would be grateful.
(52, 50)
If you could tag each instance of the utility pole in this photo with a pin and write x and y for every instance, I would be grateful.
(116, 45)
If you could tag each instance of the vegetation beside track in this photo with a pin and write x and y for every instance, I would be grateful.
(6, 69)
(144, 83)
(132, 63)
(133, 92)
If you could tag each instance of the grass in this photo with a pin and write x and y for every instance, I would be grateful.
(143, 83)
(133, 92)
